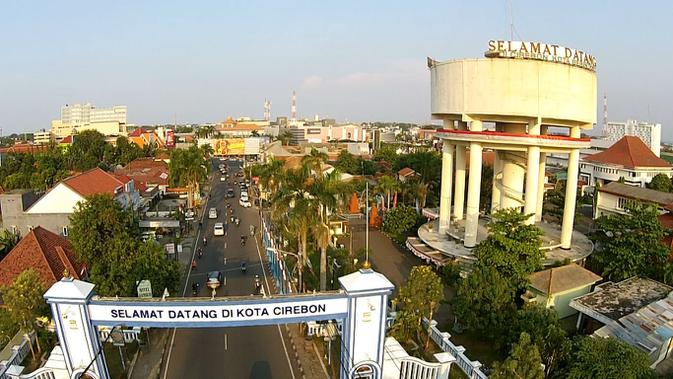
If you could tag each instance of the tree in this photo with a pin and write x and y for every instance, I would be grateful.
(152, 263)
(399, 221)
(607, 358)
(8, 239)
(661, 182)
(630, 244)
(418, 299)
(484, 302)
(542, 324)
(284, 138)
(386, 186)
(386, 153)
(187, 168)
(8, 327)
(486, 193)
(346, 162)
(523, 362)
(512, 247)
(23, 299)
(87, 150)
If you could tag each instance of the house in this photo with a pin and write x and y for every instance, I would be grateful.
(142, 138)
(613, 198)
(406, 174)
(150, 176)
(556, 286)
(638, 311)
(629, 159)
(45, 252)
(23, 210)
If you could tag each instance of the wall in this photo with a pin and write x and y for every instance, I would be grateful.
(60, 199)
(561, 301)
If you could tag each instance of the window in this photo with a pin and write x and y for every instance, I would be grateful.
(65, 231)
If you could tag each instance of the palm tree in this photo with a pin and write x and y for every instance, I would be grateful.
(284, 138)
(386, 186)
(313, 162)
(420, 190)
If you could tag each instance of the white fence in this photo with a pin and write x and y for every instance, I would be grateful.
(130, 335)
(414, 368)
(471, 368)
(15, 352)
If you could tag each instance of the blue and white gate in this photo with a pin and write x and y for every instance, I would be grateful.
(361, 304)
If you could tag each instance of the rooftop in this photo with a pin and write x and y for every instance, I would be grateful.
(43, 251)
(638, 193)
(628, 152)
(616, 300)
(95, 181)
(563, 278)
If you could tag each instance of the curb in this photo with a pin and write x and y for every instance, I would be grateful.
(132, 365)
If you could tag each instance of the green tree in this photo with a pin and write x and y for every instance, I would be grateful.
(284, 138)
(152, 263)
(418, 299)
(661, 182)
(347, 162)
(386, 153)
(400, 221)
(386, 186)
(8, 239)
(543, 325)
(8, 327)
(23, 299)
(484, 302)
(607, 358)
(512, 247)
(630, 244)
(87, 150)
(188, 168)
(523, 362)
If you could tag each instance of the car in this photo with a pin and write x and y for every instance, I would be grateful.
(223, 179)
(244, 194)
(212, 213)
(245, 203)
(189, 215)
(218, 230)
(230, 193)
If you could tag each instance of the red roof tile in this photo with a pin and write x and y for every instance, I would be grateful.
(45, 252)
(406, 172)
(66, 140)
(94, 181)
(629, 152)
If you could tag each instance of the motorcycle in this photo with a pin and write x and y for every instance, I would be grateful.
(195, 289)
(193, 265)
(243, 267)
(205, 241)
(242, 240)
(238, 221)
(200, 252)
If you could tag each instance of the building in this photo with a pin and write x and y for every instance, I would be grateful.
(24, 210)
(638, 311)
(508, 102)
(150, 177)
(45, 252)
(555, 287)
(405, 174)
(43, 137)
(324, 131)
(142, 138)
(650, 134)
(629, 159)
(613, 198)
(79, 117)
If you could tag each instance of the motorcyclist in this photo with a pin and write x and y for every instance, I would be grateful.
(243, 266)
(205, 241)
(200, 252)
(193, 264)
(242, 240)
(195, 288)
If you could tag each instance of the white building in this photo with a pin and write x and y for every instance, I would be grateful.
(613, 198)
(650, 134)
(629, 159)
(43, 137)
(79, 117)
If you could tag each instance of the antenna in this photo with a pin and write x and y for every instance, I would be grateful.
(512, 28)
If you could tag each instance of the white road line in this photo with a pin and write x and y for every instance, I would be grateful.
(184, 291)
(226, 346)
(225, 280)
(225, 258)
(282, 340)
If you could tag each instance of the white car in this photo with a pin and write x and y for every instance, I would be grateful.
(212, 213)
(245, 203)
(218, 230)
(244, 194)
(223, 179)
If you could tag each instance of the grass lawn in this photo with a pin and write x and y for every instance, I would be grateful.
(114, 360)
(477, 349)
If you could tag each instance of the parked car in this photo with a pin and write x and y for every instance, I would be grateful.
(245, 203)
(212, 213)
(244, 194)
(223, 179)
(218, 230)
(189, 215)
(230, 193)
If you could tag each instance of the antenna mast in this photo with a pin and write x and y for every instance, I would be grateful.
(294, 106)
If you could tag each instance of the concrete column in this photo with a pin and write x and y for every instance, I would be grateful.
(473, 192)
(495, 192)
(532, 176)
(571, 193)
(447, 182)
(459, 196)
(540, 186)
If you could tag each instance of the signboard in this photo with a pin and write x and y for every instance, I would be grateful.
(144, 289)
(170, 248)
(192, 313)
(229, 146)
(170, 139)
(540, 51)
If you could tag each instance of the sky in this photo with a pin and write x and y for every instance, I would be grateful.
(203, 61)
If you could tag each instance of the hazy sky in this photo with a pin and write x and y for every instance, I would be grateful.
(350, 60)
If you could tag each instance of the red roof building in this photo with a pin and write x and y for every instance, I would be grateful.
(146, 173)
(96, 181)
(629, 160)
(45, 252)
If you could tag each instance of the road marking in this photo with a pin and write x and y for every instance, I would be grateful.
(184, 291)
(225, 246)
(226, 346)
(225, 258)
(282, 340)
(225, 280)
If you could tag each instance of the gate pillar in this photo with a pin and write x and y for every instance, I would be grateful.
(364, 329)
(68, 300)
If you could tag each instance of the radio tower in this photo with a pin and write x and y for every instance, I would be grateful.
(605, 114)
(294, 106)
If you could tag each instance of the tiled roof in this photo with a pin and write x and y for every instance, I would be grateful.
(94, 181)
(563, 278)
(629, 152)
(45, 252)
(144, 171)
(638, 193)
(66, 140)
(406, 172)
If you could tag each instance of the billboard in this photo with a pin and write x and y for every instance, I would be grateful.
(229, 146)
(170, 139)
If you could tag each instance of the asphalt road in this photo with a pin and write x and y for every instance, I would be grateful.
(244, 352)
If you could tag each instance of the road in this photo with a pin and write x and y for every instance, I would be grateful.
(244, 352)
